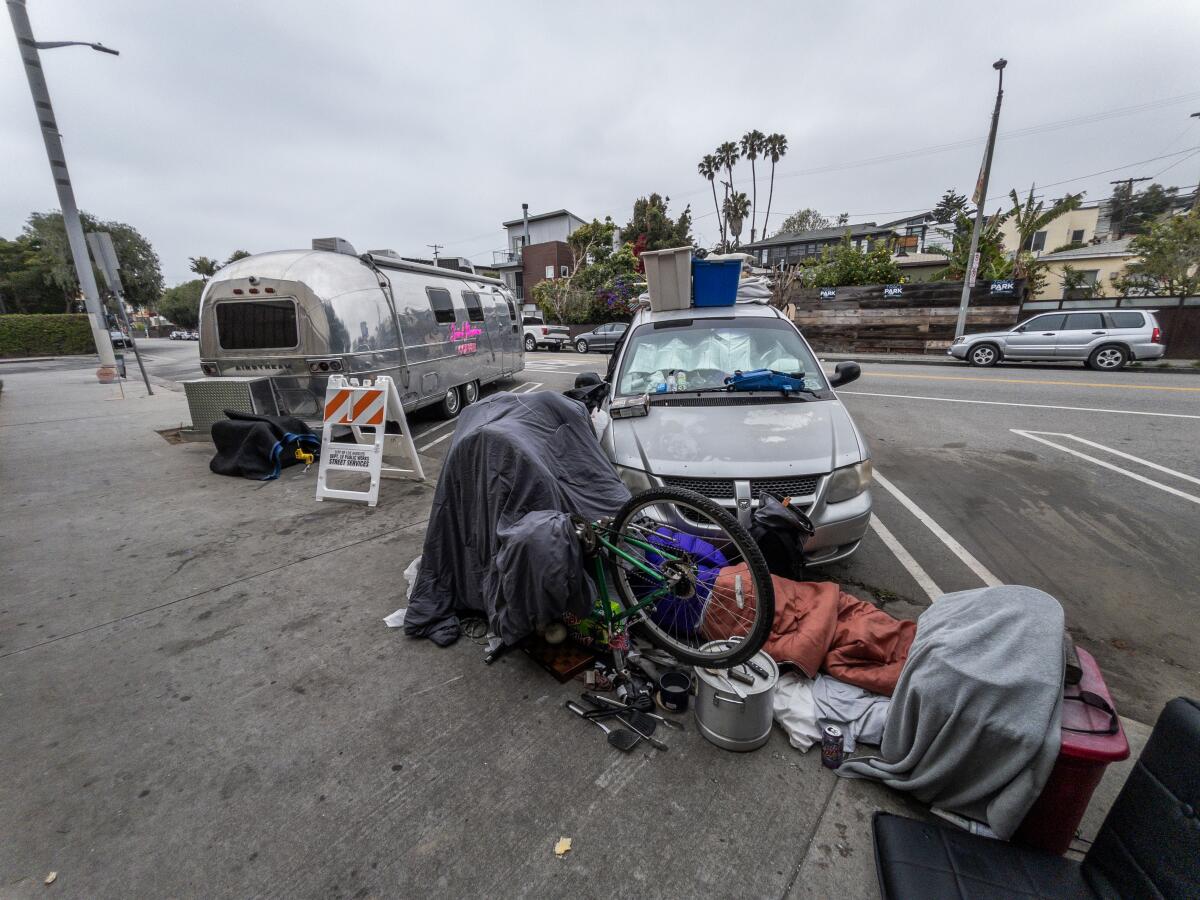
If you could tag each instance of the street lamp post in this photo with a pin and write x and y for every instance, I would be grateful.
(1196, 199)
(981, 189)
(28, 48)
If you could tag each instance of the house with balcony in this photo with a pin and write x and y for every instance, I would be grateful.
(796, 247)
(535, 249)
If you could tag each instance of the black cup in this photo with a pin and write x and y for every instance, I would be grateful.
(674, 688)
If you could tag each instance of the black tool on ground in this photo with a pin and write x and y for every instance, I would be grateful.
(757, 669)
(634, 718)
(780, 531)
(621, 738)
(653, 741)
(594, 698)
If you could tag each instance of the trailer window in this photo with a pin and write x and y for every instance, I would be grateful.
(441, 304)
(257, 325)
(474, 307)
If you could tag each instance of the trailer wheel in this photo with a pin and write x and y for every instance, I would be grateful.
(470, 392)
(451, 404)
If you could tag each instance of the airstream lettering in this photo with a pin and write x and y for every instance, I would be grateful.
(298, 316)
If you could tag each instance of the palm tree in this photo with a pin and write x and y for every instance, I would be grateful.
(1030, 218)
(737, 207)
(753, 144)
(203, 266)
(727, 157)
(708, 169)
(774, 148)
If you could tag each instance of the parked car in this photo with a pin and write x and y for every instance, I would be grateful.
(731, 446)
(603, 338)
(1101, 339)
(119, 339)
(178, 335)
(539, 334)
(193, 335)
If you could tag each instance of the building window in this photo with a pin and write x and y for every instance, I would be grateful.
(519, 287)
(441, 304)
(564, 271)
(474, 307)
(1077, 236)
(1039, 242)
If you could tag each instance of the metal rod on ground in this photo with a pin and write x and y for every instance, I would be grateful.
(106, 258)
(28, 48)
(980, 198)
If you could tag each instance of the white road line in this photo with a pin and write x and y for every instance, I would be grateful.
(944, 536)
(1124, 412)
(425, 447)
(1107, 465)
(434, 428)
(533, 386)
(1115, 452)
(928, 585)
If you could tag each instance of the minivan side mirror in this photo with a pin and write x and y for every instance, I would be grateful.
(844, 373)
(588, 379)
(1020, 329)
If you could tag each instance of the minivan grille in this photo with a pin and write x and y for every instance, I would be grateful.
(722, 488)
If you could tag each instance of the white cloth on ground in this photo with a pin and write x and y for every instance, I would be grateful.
(860, 713)
(396, 619)
(795, 710)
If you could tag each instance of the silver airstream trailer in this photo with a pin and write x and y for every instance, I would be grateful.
(298, 316)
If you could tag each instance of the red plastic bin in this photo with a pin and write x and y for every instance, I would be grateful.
(1054, 817)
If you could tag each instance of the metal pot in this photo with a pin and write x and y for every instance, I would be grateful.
(734, 715)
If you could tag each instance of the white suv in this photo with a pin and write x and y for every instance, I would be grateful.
(1101, 339)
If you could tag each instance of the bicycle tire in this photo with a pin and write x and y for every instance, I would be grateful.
(763, 590)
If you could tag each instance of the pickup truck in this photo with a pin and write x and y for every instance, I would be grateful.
(539, 334)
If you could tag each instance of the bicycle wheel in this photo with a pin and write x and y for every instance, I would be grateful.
(691, 578)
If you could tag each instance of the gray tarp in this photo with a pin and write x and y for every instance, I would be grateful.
(499, 542)
(974, 723)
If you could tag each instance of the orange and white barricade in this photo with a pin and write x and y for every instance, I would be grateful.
(366, 408)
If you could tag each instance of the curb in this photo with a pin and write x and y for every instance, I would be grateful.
(934, 361)
(29, 359)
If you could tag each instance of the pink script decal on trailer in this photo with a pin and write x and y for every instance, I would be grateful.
(464, 331)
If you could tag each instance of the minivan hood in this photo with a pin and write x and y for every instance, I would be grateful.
(738, 441)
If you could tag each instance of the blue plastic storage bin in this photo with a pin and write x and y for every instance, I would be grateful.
(715, 282)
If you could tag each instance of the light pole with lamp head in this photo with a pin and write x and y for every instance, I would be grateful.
(28, 48)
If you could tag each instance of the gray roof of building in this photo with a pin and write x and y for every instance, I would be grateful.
(1092, 251)
(545, 215)
(819, 234)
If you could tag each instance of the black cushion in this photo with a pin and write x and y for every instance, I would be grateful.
(925, 860)
(1149, 845)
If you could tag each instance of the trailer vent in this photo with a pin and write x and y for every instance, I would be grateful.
(334, 245)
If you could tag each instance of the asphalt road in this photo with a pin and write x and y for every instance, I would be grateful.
(1083, 484)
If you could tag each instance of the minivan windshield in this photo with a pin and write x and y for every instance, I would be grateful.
(707, 351)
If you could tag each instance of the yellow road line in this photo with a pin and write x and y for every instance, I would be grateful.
(1095, 384)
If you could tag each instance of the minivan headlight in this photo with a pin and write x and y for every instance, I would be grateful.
(635, 479)
(847, 483)
(961, 339)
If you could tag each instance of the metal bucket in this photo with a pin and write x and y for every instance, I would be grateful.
(733, 715)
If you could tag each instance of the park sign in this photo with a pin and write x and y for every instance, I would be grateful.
(1004, 287)
(893, 290)
(828, 293)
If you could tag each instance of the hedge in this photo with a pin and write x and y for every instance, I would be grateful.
(45, 335)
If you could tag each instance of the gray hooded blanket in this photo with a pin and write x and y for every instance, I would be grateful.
(974, 722)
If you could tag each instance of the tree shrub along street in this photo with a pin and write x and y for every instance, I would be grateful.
(47, 334)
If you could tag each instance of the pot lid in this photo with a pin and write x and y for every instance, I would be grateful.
(721, 681)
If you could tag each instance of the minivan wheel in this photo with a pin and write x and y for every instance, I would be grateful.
(984, 355)
(1108, 359)
(581, 345)
(530, 343)
(451, 404)
(470, 392)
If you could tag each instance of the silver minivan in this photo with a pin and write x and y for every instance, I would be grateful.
(1101, 339)
(674, 423)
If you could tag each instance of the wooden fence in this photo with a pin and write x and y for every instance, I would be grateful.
(917, 318)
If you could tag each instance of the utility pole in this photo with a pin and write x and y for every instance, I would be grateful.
(106, 258)
(435, 248)
(981, 188)
(28, 48)
(1129, 182)
(1196, 199)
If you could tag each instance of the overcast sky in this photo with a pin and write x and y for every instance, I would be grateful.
(262, 125)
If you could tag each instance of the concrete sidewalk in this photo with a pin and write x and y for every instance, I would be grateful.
(200, 699)
(1172, 366)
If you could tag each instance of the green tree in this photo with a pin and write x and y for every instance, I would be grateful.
(753, 144)
(737, 207)
(1075, 284)
(807, 219)
(774, 148)
(1132, 212)
(1029, 218)
(727, 155)
(26, 284)
(204, 266)
(993, 261)
(181, 304)
(708, 168)
(1168, 259)
(236, 255)
(949, 207)
(844, 264)
(652, 228)
(140, 273)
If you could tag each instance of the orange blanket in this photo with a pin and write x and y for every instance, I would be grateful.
(818, 627)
